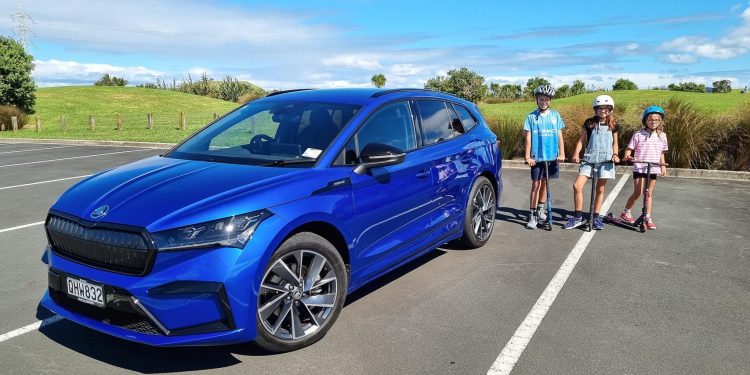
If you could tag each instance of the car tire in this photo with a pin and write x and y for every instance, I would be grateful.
(301, 294)
(479, 219)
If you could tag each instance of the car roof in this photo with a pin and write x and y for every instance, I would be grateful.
(358, 96)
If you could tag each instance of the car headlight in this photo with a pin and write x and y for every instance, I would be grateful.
(232, 231)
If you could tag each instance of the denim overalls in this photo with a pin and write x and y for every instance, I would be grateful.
(599, 147)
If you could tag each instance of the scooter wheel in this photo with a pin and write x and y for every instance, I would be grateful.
(643, 228)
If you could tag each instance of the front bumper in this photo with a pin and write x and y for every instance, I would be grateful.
(191, 297)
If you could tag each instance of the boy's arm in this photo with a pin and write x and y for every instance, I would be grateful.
(560, 147)
(527, 150)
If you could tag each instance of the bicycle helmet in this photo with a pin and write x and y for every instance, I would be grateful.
(604, 100)
(546, 90)
(653, 109)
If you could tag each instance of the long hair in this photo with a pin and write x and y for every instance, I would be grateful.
(595, 120)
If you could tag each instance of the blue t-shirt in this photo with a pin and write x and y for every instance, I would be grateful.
(544, 129)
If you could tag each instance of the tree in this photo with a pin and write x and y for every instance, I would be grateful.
(687, 86)
(107, 80)
(16, 86)
(532, 84)
(461, 82)
(723, 86)
(378, 80)
(624, 84)
(578, 88)
(562, 91)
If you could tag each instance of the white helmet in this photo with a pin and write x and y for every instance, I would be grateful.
(604, 100)
(546, 90)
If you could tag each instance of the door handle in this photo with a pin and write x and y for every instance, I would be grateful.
(423, 174)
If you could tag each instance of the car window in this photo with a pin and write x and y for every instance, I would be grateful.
(391, 125)
(467, 120)
(436, 122)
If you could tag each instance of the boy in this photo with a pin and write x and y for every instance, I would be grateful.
(544, 142)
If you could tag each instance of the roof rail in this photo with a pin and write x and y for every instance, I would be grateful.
(285, 91)
(392, 91)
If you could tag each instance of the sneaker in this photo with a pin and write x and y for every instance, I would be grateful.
(627, 217)
(650, 223)
(574, 222)
(598, 225)
(532, 222)
(541, 214)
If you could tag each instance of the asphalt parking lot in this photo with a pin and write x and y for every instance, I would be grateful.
(675, 300)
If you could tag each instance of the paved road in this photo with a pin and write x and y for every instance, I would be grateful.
(676, 300)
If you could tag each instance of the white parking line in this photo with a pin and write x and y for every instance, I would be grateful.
(74, 157)
(35, 149)
(43, 182)
(30, 327)
(517, 344)
(21, 227)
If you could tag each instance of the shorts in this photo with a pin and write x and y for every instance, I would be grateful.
(606, 170)
(537, 171)
(643, 175)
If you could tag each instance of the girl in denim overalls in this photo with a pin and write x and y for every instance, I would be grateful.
(601, 136)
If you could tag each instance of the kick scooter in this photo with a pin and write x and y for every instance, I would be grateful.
(639, 223)
(594, 181)
(547, 225)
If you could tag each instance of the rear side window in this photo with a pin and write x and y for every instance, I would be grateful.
(436, 121)
(467, 120)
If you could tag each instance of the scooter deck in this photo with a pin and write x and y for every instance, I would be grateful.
(638, 225)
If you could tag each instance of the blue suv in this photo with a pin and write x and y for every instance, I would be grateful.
(259, 225)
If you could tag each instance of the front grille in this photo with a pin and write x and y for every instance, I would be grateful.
(111, 249)
(132, 322)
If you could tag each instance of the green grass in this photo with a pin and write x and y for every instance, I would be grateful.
(105, 103)
(633, 100)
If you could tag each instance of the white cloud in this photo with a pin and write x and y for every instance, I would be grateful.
(627, 49)
(735, 43)
(673, 58)
(352, 61)
(407, 69)
(57, 73)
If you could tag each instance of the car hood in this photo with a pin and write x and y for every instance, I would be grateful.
(162, 193)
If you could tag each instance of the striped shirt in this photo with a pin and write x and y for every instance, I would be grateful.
(647, 146)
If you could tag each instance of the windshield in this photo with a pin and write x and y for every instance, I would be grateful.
(272, 133)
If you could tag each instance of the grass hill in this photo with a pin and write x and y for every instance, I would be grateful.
(76, 103)
(630, 100)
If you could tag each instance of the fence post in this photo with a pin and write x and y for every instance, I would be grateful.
(63, 125)
(182, 121)
(38, 124)
(92, 122)
(14, 122)
(119, 121)
(215, 116)
(2, 126)
(150, 117)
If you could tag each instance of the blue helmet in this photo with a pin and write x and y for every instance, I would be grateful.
(653, 109)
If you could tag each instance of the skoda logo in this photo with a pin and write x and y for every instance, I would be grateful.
(100, 212)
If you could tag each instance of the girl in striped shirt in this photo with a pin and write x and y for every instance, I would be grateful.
(648, 145)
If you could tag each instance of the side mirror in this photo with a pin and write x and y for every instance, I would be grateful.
(379, 155)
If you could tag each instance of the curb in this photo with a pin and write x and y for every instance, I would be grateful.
(83, 142)
(512, 164)
(671, 172)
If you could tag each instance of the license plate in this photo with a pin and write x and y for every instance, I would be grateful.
(86, 292)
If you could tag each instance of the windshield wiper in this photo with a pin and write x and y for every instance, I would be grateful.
(288, 162)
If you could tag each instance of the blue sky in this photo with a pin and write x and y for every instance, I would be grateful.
(293, 44)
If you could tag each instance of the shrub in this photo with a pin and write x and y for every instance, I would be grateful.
(107, 80)
(464, 83)
(724, 86)
(510, 133)
(624, 84)
(8, 111)
(693, 136)
(251, 95)
(734, 151)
